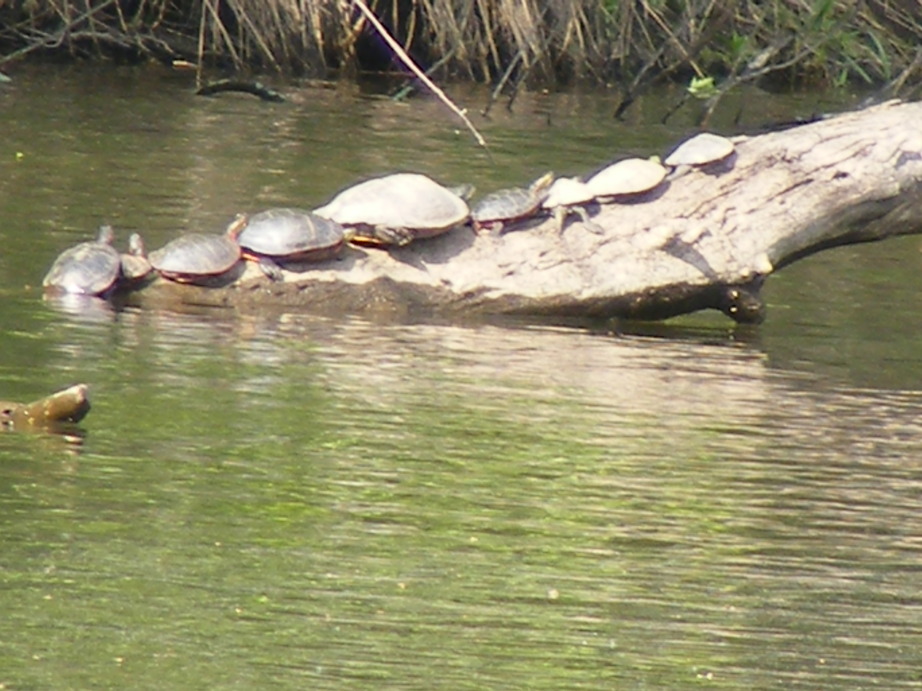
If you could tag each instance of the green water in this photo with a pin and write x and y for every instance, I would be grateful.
(290, 501)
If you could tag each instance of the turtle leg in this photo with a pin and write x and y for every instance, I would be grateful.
(591, 225)
(489, 227)
(272, 270)
(560, 217)
(394, 236)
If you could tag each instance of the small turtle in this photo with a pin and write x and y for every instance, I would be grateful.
(701, 150)
(135, 266)
(501, 207)
(570, 196)
(396, 209)
(627, 178)
(90, 268)
(200, 259)
(279, 237)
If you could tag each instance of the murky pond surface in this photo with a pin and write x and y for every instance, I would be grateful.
(290, 501)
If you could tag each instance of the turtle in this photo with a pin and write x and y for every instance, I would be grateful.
(626, 178)
(498, 208)
(569, 196)
(396, 209)
(135, 266)
(90, 268)
(281, 236)
(200, 259)
(701, 150)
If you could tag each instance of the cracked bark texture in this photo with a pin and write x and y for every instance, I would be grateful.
(706, 238)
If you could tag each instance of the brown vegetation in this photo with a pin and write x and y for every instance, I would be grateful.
(502, 41)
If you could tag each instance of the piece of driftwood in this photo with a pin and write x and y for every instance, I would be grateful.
(707, 238)
(63, 407)
(249, 87)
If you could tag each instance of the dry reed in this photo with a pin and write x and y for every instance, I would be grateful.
(542, 41)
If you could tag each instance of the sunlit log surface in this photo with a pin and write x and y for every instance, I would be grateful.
(706, 238)
(69, 405)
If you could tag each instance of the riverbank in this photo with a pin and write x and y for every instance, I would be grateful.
(629, 44)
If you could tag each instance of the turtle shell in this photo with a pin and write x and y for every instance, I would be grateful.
(134, 263)
(401, 201)
(290, 235)
(512, 203)
(90, 268)
(567, 192)
(701, 150)
(628, 177)
(197, 258)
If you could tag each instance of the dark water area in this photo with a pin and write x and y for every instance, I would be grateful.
(292, 501)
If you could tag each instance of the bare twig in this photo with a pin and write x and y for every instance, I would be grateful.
(414, 68)
(494, 95)
(57, 38)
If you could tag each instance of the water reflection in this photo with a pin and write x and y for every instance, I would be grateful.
(61, 436)
(352, 501)
(87, 308)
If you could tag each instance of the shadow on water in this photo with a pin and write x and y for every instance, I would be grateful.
(305, 502)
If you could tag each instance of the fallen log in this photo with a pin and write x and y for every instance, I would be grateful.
(707, 238)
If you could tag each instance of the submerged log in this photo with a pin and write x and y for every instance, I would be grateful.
(248, 87)
(61, 408)
(707, 238)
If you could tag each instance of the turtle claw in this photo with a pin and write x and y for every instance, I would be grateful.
(562, 213)
(587, 222)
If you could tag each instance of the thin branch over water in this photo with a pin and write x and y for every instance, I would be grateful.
(414, 68)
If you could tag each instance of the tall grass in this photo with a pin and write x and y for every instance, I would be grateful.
(631, 43)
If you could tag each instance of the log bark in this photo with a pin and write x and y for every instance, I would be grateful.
(707, 238)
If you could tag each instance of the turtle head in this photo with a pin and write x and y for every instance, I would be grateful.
(349, 233)
(136, 245)
(106, 234)
(236, 226)
(542, 185)
(465, 191)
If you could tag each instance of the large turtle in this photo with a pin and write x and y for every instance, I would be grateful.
(396, 209)
(90, 268)
(284, 236)
(200, 259)
(512, 204)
